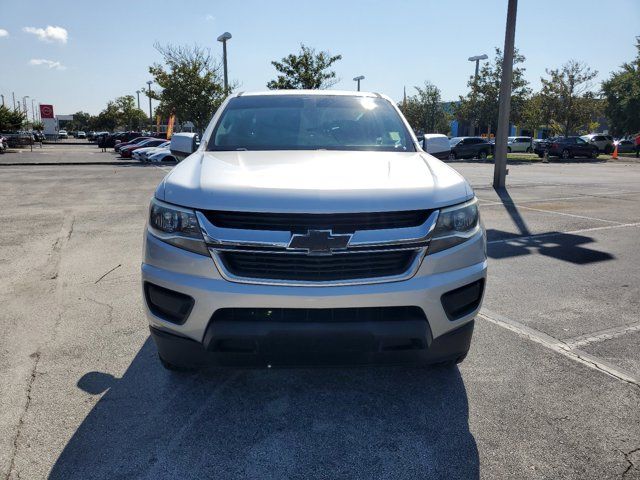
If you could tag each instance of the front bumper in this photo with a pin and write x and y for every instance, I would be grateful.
(439, 338)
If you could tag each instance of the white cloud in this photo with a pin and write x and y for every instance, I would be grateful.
(209, 18)
(49, 34)
(3, 33)
(47, 63)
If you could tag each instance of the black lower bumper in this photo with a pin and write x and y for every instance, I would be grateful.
(286, 344)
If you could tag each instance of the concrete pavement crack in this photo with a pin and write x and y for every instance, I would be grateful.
(627, 456)
(16, 438)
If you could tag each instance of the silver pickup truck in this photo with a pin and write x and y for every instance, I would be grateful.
(310, 227)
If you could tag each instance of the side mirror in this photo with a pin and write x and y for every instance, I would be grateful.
(424, 143)
(184, 144)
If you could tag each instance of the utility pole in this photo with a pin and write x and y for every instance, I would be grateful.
(14, 99)
(138, 94)
(504, 105)
(2, 100)
(33, 110)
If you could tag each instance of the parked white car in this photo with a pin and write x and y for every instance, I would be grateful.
(437, 145)
(603, 142)
(142, 154)
(162, 155)
(519, 144)
(62, 134)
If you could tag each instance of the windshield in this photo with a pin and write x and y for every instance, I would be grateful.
(299, 122)
(455, 140)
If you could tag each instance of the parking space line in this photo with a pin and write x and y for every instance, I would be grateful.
(602, 335)
(560, 347)
(570, 232)
(568, 214)
(610, 195)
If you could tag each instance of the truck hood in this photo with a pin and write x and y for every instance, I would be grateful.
(318, 181)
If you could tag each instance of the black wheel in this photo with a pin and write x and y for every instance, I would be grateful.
(529, 150)
(565, 154)
(482, 155)
(595, 153)
(541, 155)
(608, 149)
(508, 149)
(452, 156)
(175, 368)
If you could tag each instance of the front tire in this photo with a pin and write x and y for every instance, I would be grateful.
(452, 156)
(482, 155)
(594, 154)
(565, 154)
(529, 150)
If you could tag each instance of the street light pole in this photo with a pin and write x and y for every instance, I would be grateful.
(149, 82)
(223, 38)
(138, 94)
(357, 79)
(24, 106)
(476, 59)
(33, 110)
(504, 102)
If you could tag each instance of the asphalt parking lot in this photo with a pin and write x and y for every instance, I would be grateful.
(550, 389)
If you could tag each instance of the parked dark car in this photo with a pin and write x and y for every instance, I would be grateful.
(566, 147)
(470, 147)
(119, 146)
(626, 146)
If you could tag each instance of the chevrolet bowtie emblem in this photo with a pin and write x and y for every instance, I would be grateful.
(319, 242)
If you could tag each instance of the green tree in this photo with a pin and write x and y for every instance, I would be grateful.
(306, 70)
(190, 84)
(622, 97)
(107, 119)
(480, 105)
(566, 93)
(424, 110)
(11, 120)
(128, 115)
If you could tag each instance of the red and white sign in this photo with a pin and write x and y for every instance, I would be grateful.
(46, 111)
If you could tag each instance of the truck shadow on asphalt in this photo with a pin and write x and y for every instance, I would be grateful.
(382, 422)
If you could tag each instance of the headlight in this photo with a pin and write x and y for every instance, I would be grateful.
(455, 225)
(177, 226)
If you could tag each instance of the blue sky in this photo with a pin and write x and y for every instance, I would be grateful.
(109, 46)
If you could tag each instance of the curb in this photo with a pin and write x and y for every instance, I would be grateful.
(45, 164)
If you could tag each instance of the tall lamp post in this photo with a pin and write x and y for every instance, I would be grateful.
(357, 79)
(33, 110)
(504, 100)
(223, 38)
(24, 106)
(149, 82)
(138, 94)
(477, 59)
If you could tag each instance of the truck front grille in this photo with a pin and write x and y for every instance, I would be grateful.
(309, 268)
(301, 222)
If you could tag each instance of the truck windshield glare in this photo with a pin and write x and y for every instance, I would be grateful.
(296, 122)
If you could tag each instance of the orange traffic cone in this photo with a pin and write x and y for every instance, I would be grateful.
(615, 153)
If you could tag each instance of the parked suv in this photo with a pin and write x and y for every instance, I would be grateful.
(470, 147)
(309, 227)
(603, 142)
(566, 147)
(519, 144)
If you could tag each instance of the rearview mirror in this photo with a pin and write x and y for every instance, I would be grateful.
(184, 144)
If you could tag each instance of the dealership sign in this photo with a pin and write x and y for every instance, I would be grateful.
(46, 111)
